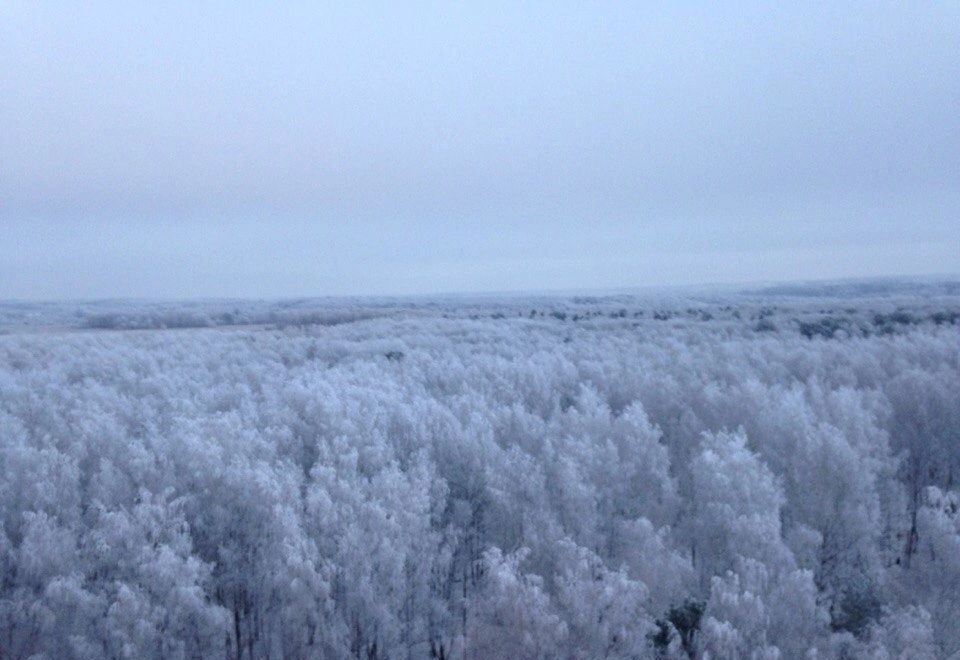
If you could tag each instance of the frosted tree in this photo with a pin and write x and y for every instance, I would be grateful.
(512, 617)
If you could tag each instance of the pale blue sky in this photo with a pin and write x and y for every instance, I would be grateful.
(233, 149)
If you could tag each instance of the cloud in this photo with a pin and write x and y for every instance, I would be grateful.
(424, 122)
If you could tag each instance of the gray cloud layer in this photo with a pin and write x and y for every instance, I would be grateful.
(219, 150)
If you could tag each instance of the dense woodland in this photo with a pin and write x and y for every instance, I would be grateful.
(762, 475)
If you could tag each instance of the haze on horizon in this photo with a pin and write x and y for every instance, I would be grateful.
(225, 151)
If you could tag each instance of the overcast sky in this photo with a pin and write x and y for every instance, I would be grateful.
(204, 149)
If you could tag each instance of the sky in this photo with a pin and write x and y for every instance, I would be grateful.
(183, 150)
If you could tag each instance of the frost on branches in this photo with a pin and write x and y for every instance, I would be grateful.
(750, 476)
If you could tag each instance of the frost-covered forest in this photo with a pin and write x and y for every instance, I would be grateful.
(765, 474)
